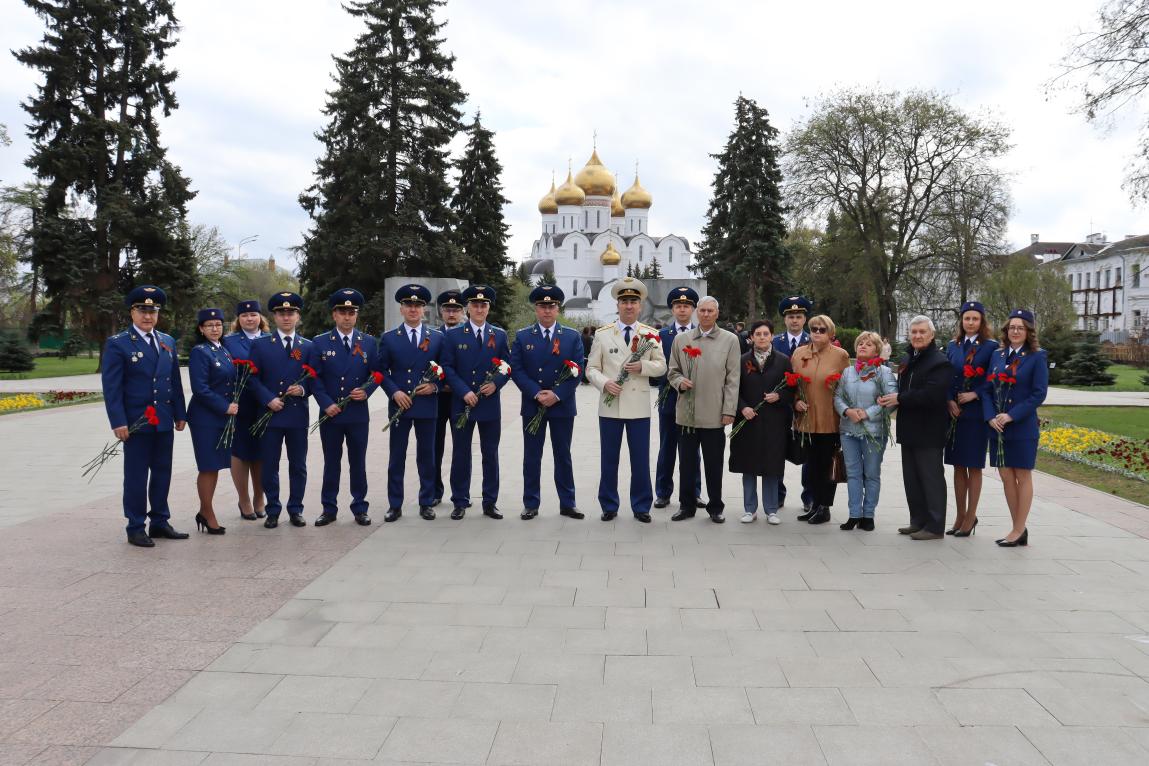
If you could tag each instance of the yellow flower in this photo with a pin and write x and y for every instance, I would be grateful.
(20, 402)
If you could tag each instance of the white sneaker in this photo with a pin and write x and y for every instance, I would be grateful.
(772, 518)
(747, 518)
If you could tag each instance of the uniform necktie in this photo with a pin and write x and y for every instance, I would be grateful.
(547, 335)
(414, 337)
(1010, 357)
(347, 343)
(287, 344)
(965, 345)
(481, 337)
(152, 342)
(626, 335)
(682, 329)
(793, 345)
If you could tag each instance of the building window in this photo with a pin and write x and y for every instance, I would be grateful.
(576, 251)
(640, 253)
(1108, 273)
(1137, 319)
(585, 218)
(574, 288)
(671, 255)
(598, 219)
(1137, 275)
(1088, 279)
(1117, 277)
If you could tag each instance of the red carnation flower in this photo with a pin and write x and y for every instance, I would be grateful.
(377, 377)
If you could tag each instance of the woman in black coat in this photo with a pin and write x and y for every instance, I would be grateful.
(758, 449)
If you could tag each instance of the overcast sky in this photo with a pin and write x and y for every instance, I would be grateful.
(655, 78)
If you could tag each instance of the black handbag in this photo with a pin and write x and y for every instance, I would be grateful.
(838, 467)
(795, 447)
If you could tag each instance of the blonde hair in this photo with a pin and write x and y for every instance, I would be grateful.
(871, 337)
(822, 319)
(263, 325)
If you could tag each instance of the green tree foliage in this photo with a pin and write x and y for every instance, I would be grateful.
(884, 161)
(380, 204)
(1020, 282)
(828, 268)
(480, 231)
(742, 254)
(1087, 366)
(225, 281)
(113, 203)
(14, 355)
(548, 278)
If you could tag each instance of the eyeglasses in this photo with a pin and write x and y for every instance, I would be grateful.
(818, 330)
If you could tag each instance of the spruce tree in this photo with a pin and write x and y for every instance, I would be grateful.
(96, 142)
(1087, 366)
(742, 253)
(655, 271)
(380, 204)
(480, 231)
(15, 356)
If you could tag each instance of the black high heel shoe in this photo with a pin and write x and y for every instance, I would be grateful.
(960, 533)
(202, 525)
(246, 517)
(1022, 541)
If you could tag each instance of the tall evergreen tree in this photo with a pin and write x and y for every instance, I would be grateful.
(96, 142)
(380, 204)
(742, 254)
(480, 231)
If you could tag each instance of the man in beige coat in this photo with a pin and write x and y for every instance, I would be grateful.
(625, 406)
(706, 378)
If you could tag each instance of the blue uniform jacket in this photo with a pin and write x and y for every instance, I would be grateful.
(782, 341)
(467, 364)
(277, 371)
(979, 355)
(134, 377)
(1022, 398)
(212, 376)
(403, 365)
(340, 372)
(535, 367)
(666, 335)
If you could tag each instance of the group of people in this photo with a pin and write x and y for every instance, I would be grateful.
(796, 396)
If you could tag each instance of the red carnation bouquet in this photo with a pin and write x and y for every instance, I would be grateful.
(692, 353)
(246, 368)
(498, 367)
(111, 449)
(789, 380)
(433, 373)
(375, 381)
(260, 426)
(969, 374)
(566, 372)
(638, 348)
(1002, 383)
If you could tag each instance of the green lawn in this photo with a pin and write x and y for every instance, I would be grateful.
(1128, 379)
(52, 367)
(1123, 421)
(1130, 489)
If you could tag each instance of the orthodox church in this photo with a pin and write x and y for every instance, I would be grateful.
(592, 234)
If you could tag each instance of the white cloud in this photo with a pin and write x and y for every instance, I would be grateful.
(656, 80)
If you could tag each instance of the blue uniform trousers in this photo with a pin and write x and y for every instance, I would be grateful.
(271, 447)
(424, 460)
(562, 430)
(332, 434)
(667, 453)
(610, 432)
(147, 477)
(441, 424)
(489, 433)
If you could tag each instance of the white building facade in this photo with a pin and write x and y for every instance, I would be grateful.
(1109, 284)
(592, 235)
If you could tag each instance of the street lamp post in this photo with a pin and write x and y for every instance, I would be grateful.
(242, 242)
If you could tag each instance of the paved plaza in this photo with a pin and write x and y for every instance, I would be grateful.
(556, 641)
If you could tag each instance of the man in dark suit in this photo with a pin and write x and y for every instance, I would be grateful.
(472, 353)
(794, 310)
(140, 369)
(345, 358)
(450, 303)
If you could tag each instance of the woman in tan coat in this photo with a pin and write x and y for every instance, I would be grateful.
(816, 417)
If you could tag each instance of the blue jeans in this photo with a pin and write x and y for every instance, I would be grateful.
(769, 493)
(863, 474)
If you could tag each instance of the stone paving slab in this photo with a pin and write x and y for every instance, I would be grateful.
(560, 641)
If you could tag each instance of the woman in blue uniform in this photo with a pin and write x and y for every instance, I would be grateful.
(245, 466)
(971, 350)
(212, 375)
(1010, 408)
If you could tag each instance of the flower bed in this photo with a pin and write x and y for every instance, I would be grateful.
(27, 401)
(1097, 449)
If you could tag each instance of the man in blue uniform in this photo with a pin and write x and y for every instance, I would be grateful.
(280, 358)
(140, 369)
(451, 307)
(469, 352)
(681, 301)
(345, 358)
(794, 310)
(538, 356)
(405, 354)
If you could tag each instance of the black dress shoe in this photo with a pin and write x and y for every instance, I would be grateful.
(492, 512)
(700, 503)
(718, 518)
(271, 523)
(141, 539)
(297, 520)
(167, 532)
(458, 513)
(427, 512)
(661, 502)
(682, 515)
(392, 514)
(643, 517)
(529, 513)
(609, 515)
(807, 512)
(1022, 541)
(867, 524)
(362, 519)
(325, 519)
(820, 516)
(572, 513)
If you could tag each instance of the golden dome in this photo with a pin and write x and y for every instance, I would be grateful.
(569, 194)
(610, 256)
(548, 205)
(616, 208)
(636, 196)
(595, 179)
